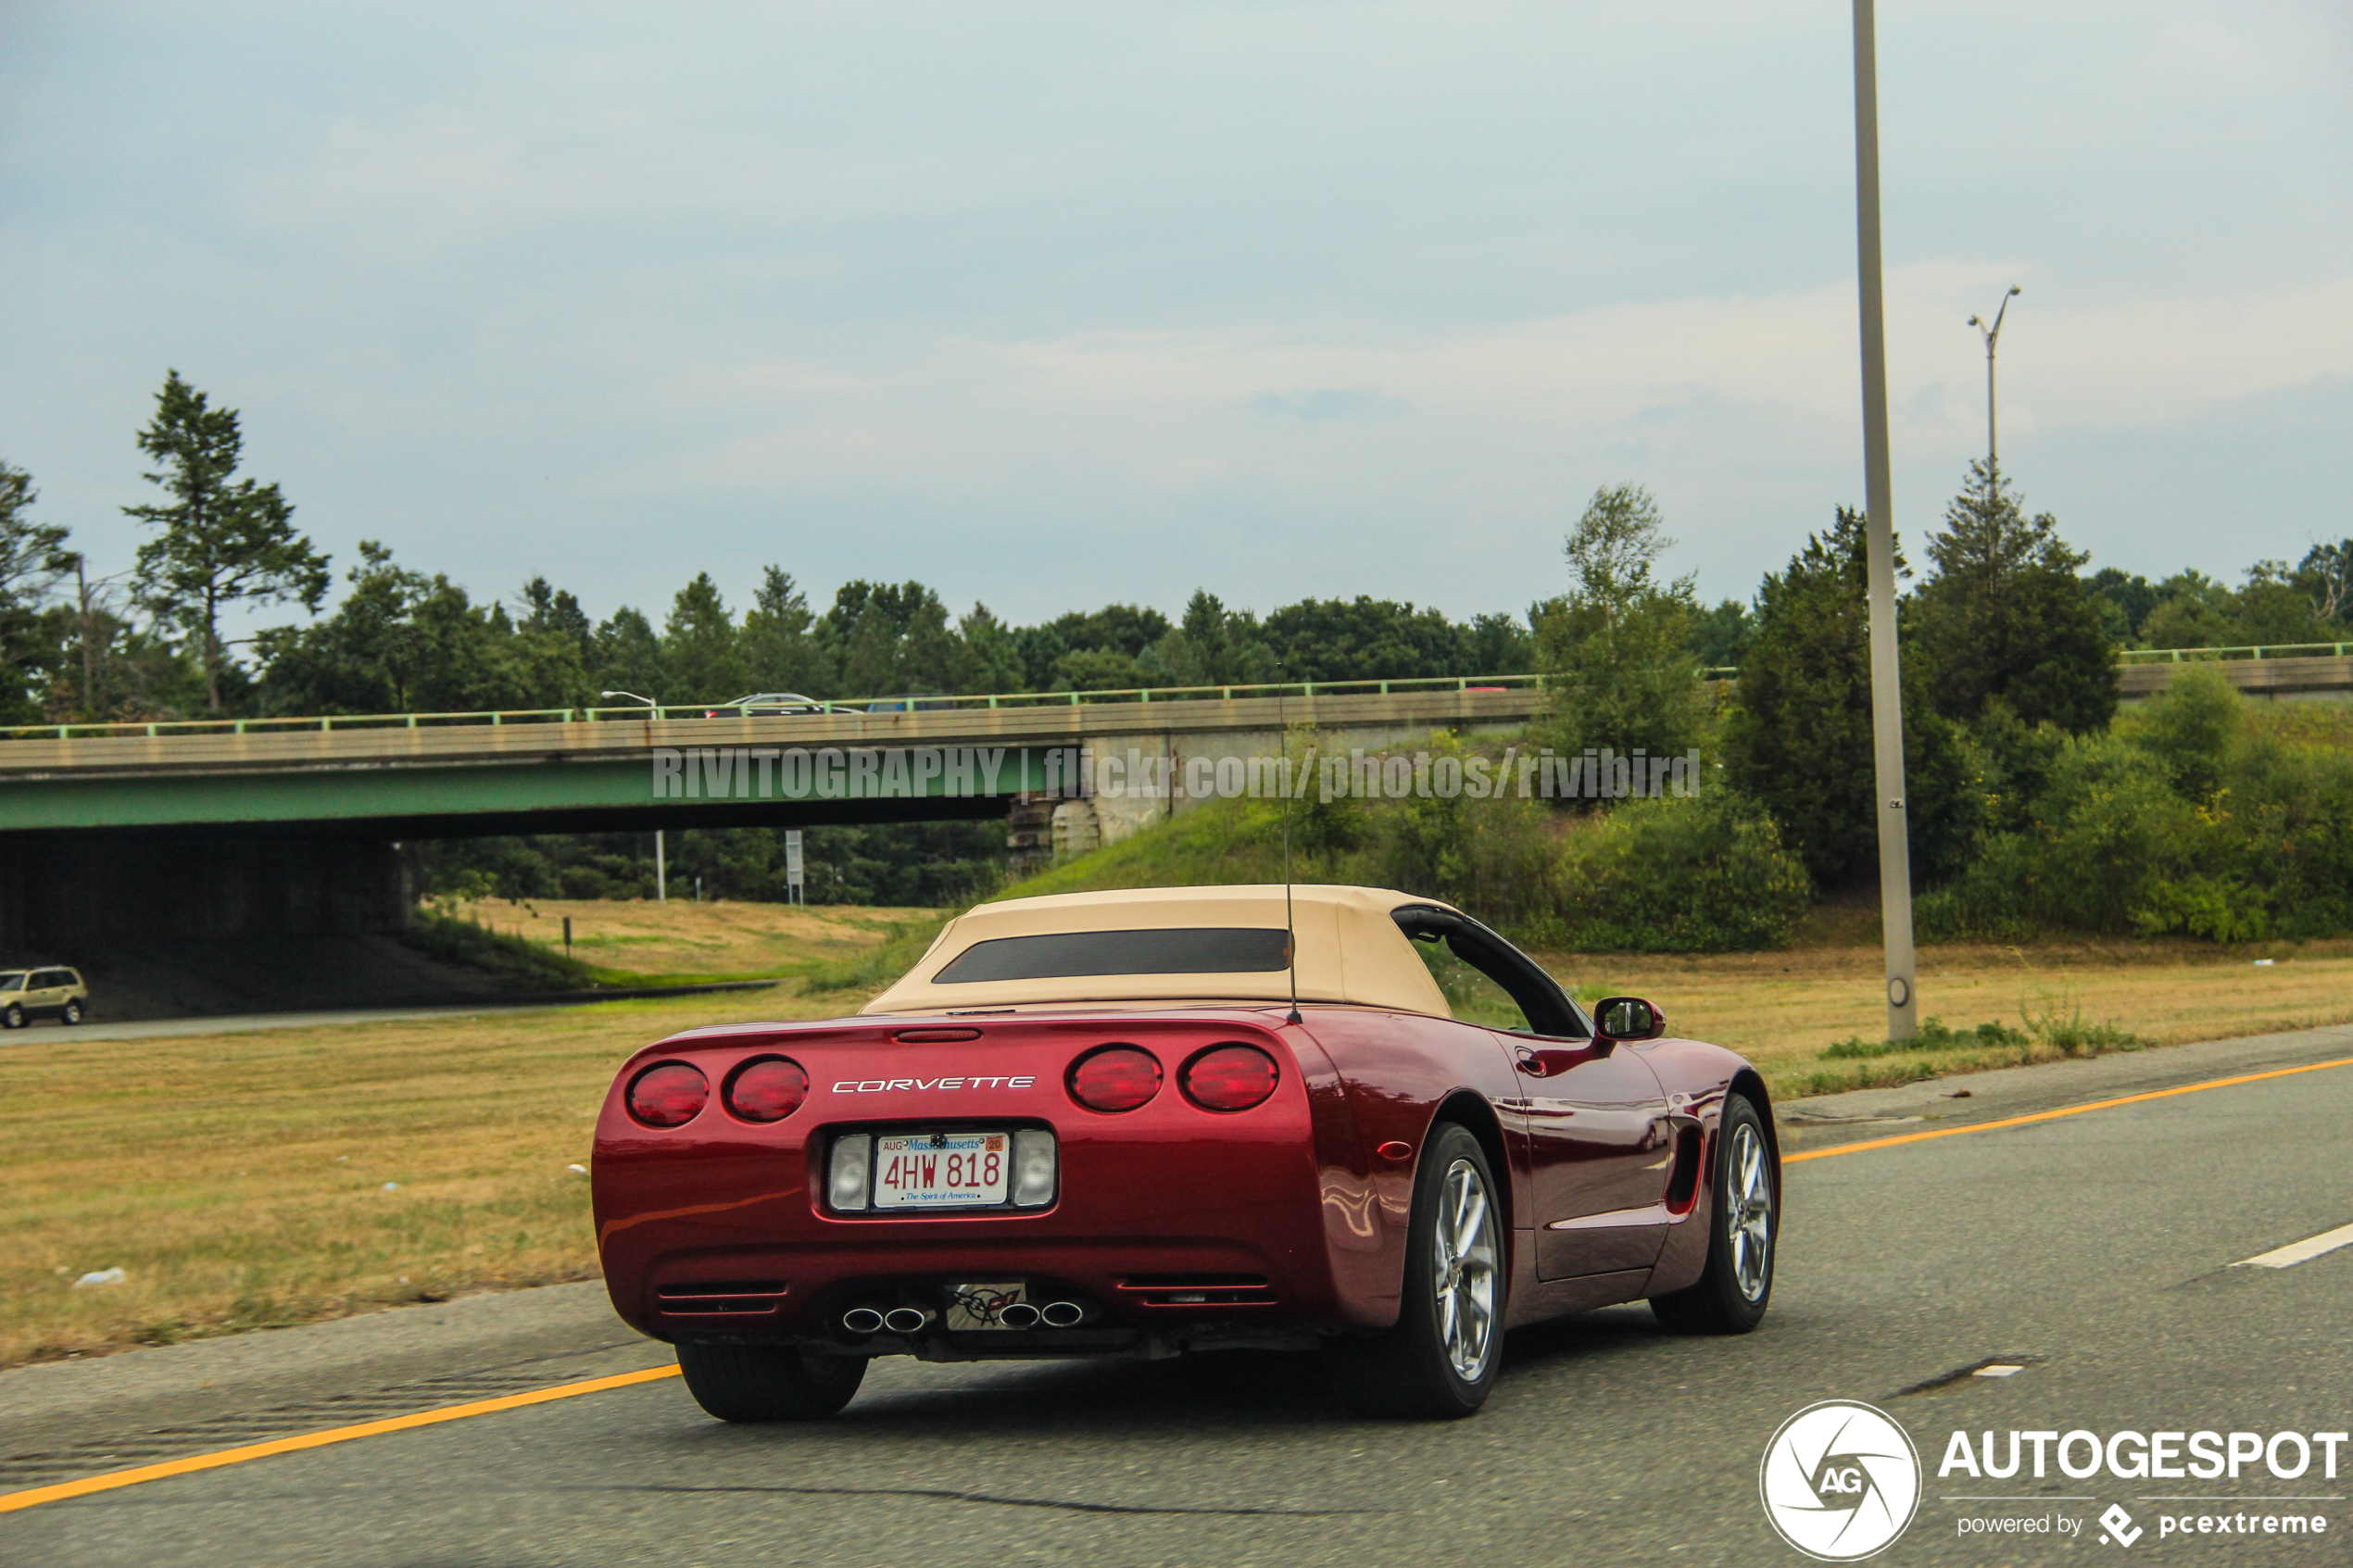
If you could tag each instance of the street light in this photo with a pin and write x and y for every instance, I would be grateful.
(1992, 336)
(661, 865)
(1887, 709)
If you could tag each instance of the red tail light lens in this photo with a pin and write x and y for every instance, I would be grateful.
(1230, 1077)
(670, 1095)
(1116, 1078)
(767, 1090)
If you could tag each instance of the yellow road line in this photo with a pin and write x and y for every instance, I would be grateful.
(2054, 1115)
(11, 1501)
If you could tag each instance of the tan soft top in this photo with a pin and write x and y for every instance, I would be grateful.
(1348, 950)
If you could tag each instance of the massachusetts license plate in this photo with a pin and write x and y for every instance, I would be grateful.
(941, 1169)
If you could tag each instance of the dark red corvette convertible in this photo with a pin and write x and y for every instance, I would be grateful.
(1097, 1124)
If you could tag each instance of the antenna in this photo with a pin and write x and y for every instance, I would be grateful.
(1290, 927)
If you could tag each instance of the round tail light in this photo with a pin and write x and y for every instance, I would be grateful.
(1230, 1077)
(1116, 1078)
(670, 1095)
(767, 1090)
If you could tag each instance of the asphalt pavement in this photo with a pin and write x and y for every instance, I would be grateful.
(2101, 1254)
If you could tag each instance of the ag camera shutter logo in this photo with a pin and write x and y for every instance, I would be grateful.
(1840, 1481)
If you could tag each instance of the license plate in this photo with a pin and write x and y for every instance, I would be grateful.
(941, 1169)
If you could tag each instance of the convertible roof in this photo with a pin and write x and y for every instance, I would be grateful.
(1348, 950)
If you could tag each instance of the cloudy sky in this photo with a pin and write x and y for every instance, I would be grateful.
(1048, 305)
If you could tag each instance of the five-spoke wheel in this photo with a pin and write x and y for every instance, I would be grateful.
(1743, 1220)
(1440, 1359)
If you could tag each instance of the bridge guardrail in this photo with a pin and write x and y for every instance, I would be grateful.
(334, 721)
(324, 723)
(2256, 650)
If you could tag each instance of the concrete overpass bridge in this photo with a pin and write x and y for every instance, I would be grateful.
(270, 826)
(290, 826)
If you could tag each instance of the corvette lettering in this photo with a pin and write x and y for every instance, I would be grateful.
(892, 1085)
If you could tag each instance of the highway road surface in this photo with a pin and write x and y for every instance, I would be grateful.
(2109, 1255)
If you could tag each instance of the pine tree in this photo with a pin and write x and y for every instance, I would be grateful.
(33, 558)
(2007, 616)
(1799, 736)
(224, 540)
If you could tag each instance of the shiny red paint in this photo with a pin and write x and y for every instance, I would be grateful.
(1170, 1218)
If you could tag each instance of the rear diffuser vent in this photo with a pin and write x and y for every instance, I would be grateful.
(730, 1295)
(1197, 1290)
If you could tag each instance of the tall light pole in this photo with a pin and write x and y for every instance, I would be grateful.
(1887, 706)
(661, 869)
(1992, 336)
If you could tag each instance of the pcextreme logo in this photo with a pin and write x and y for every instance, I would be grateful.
(1840, 1481)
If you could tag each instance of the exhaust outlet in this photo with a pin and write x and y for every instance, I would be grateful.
(1021, 1314)
(862, 1320)
(906, 1320)
(1063, 1314)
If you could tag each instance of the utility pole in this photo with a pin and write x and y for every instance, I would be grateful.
(1887, 703)
(1992, 335)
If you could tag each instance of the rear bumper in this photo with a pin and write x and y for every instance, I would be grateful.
(1156, 1238)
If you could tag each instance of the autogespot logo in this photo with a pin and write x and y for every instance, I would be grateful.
(1840, 1481)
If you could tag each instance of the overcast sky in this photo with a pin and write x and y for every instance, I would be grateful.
(1053, 304)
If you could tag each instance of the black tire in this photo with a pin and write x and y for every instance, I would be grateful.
(1737, 1285)
(768, 1382)
(71, 1013)
(13, 1018)
(1411, 1371)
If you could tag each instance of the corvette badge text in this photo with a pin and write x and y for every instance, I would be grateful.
(902, 1086)
(1841, 1481)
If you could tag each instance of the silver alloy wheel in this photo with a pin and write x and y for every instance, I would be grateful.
(1464, 1262)
(1748, 1209)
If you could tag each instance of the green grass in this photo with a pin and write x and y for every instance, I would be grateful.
(522, 963)
(1220, 842)
(906, 941)
(1934, 1037)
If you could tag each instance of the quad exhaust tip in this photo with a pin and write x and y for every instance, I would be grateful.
(914, 1320)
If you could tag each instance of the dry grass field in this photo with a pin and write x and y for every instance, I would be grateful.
(244, 1181)
(251, 1180)
(715, 941)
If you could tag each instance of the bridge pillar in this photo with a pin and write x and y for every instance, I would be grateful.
(61, 891)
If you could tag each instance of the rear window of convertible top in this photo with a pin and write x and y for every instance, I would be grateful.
(1209, 949)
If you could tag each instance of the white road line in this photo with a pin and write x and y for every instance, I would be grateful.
(2296, 1252)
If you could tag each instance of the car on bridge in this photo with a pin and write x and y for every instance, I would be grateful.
(1317, 1118)
(27, 994)
(766, 705)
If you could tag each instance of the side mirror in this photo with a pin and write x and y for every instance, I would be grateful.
(1628, 1018)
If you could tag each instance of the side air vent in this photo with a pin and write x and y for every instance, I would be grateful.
(1197, 1291)
(735, 1297)
(1684, 1185)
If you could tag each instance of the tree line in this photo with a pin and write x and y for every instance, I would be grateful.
(2009, 687)
(150, 642)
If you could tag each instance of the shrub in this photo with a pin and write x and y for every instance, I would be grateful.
(1704, 875)
(1493, 857)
